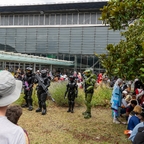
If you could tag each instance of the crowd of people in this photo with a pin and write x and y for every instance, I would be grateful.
(126, 103)
(10, 90)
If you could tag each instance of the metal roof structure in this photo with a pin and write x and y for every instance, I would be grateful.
(43, 2)
(77, 6)
(24, 58)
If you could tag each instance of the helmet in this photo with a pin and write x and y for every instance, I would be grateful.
(71, 78)
(88, 72)
(29, 70)
(43, 73)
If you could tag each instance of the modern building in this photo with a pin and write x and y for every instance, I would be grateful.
(67, 31)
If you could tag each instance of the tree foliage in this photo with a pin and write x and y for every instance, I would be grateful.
(120, 13)
(126, 59)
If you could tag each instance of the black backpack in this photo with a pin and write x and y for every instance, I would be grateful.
(139, 138)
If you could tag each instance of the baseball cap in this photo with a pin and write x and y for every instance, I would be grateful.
(10, 88)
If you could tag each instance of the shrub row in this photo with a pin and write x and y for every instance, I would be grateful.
(101, 96)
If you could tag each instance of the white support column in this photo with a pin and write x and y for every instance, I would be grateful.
(23, 66)
(51, 68)
(34, 67)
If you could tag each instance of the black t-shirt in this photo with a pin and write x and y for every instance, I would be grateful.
(129, 108)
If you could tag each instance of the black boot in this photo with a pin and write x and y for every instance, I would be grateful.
(30, 105)
(44, 111)
(40, 107)
(72, 106)
(30, 108)
(25, 105)
(39, 110)
(69, 110)
(44, 108)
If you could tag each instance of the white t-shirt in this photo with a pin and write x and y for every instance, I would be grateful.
(10, 133)
(124, 102)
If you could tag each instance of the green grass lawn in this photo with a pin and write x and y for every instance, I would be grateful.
(60, 127)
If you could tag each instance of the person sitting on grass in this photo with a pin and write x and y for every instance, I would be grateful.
(124, 103)
(135, 130)
(134, 118)
(130, 108)
(13, 114)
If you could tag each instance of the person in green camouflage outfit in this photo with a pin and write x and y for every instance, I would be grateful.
(89, 83)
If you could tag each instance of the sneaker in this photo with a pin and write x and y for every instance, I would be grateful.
(116, 121)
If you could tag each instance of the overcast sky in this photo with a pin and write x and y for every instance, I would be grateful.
(22, 2)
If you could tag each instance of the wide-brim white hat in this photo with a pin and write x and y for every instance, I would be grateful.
(10, 88)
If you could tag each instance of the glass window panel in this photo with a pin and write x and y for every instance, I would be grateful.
(2, 20)
(87, 18)
(66, 57)
(42, 47)
(41, 20)
(93, 18)
(72, 57)
(98, 16)
(63, 21)
(10, 47)
(30, 17)
(2, 47)
(30, 47)
(84, 61)
(36, 19)
(81, 18)
(52, 19)
(57, 19)
(20, 47)
(2, 39)
(20, 19)
(11, 20)
(25, 19)
(75, 18)
(69, 18)
(46, 19)
(15, 19)
(6, 20)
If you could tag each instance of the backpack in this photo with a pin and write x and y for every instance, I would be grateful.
(139, 137)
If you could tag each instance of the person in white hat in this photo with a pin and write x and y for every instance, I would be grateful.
(10, 90)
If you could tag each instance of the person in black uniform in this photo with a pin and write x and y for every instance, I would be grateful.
(28, 81)
(42, 89)
(72, 91)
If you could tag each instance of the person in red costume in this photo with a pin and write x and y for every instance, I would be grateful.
(99, 78)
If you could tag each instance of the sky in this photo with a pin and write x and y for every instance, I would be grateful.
(26, 2)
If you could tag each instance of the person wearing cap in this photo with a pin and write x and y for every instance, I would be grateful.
(134, 117)
(135, 130)
(10, 90)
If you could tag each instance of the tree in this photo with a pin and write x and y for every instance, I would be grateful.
(126, 59)
(120, 13)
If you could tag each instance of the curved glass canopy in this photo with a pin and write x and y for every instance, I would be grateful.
(24, 58)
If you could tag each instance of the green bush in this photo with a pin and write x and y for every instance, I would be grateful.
(102, 96)
(58, 89)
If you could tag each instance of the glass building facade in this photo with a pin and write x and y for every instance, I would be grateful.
(74, 36)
